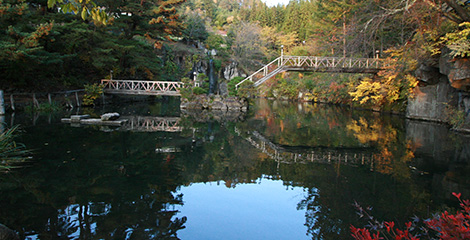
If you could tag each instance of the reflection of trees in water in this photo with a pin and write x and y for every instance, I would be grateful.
(331, 188)
(394, 151)
(150, 215)
(386, 183)
(113, 185)
(315, 125)
(88, 185)
(135, 220)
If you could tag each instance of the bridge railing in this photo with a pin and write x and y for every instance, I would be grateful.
(313, 63)
(142, 87)
(334, 62)
(264, 71)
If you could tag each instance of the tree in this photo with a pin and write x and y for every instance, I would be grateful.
(195, 29)
(246, 41)
(19, 39)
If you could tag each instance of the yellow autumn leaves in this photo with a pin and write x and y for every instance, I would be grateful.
(390, 85)
(87, 9)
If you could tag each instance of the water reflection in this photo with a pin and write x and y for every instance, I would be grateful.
(217, 212)
(140, 181)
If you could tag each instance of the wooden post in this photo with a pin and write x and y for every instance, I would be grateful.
(68, 103)
(76, 98)
(12, 120)
(2, 104)
(12, 102)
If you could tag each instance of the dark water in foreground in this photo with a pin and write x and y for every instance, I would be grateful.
(284, 171)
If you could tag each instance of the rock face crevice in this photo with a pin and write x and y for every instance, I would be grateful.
(231, 71)
(443, 84)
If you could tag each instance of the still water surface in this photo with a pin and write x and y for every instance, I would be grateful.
(283, 171)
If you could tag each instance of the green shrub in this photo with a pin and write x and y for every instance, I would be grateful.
(246, 90)
(199, 91)
(232, 89)
(92, 92)
(187, 90)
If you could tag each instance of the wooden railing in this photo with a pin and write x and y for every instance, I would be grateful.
(264, 71)
(139, 87)
(315, 64)
(339, 63)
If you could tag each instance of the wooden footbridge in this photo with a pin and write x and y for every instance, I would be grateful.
(139, 87)
(280, 64)
(315, 64)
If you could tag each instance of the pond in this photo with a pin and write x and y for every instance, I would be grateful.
(281, 171)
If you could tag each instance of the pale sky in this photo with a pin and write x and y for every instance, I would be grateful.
(271, 3)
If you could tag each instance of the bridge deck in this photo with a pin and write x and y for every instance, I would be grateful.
(139, 87)
(316, 64)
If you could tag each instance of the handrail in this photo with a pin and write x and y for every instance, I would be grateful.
(316, 62)
(142, 87)
(265, 69)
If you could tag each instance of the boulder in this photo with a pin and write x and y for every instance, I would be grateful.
(110, 116)
(215, 102)
(218, 105)
(233, 103)
(7, 234)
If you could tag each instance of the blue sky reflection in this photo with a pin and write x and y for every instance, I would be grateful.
(262, 210)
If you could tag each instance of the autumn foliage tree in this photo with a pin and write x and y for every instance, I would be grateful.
(66, 44)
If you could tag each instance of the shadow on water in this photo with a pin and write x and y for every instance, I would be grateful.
(122, 183)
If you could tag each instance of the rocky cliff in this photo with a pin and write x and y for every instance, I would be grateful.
(443, 90)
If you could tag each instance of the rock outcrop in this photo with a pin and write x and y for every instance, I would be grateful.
(456, 69)
(443, 84)
(431, 100)
(428, 74)
(215, 102)
(201, 67)
(231, 71)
